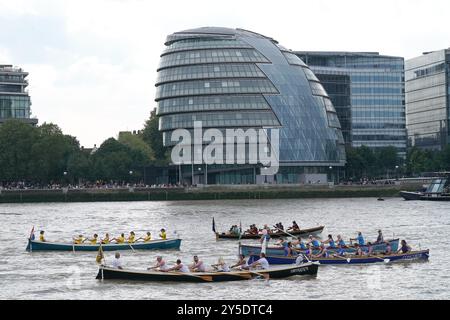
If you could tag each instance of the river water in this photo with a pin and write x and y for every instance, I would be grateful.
(66, 275)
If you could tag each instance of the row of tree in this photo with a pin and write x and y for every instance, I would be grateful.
(364, 162)
(44, 154)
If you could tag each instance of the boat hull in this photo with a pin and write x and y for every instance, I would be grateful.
(248, 250)
(410, 196)
(300, 233)
(107, 273)
(34, 245)
(411, 256)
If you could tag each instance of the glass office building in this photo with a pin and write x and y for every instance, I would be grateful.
(14, 99)
(234, 78)
(427, 100)
(377, 95)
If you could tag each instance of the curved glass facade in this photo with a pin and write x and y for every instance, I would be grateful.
(237, 78)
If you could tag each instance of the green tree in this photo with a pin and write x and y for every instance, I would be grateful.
(153, 137)
(16, 141)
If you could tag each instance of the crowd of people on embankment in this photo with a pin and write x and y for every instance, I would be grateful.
(21, 185)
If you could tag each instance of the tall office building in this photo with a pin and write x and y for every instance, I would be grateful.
(368, 92)
(14, 99)
(427, 100)
(234, 78)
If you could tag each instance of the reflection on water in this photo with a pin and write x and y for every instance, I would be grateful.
(66, 275)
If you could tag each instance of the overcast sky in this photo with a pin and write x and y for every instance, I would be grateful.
(92, 63)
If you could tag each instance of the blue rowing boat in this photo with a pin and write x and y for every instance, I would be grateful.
(34, 245)
(248, 250)
(350, 259)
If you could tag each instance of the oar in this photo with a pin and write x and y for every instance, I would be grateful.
(286, 233)
(382, 259)
(265, 276)
(131, 247)
(348, 259)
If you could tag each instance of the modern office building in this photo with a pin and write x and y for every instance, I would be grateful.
(234, 78)
(427, 100)
(14, 99)
(368, 92)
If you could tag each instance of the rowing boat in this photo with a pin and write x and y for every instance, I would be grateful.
(108, 273)
(402, 257)
(248, 250)
(34, 245)
(278, 234)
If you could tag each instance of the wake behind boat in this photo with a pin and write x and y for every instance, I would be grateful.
(108, 273)
(35, 245)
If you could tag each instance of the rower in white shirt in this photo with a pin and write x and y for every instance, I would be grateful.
(117, 263)
(262, 262)
(178, 267)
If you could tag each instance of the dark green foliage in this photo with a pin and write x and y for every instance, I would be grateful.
(153, 137)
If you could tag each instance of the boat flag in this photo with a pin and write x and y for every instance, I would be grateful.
(264, 245)
(100, 255)
(240, 229)
(213, 225)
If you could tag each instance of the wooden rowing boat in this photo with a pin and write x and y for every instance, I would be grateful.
(107, 273)
(298, 233)
(34, 245)
(248, 250)
(349, 259)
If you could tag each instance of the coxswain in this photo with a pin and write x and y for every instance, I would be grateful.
(41, 236)
(380, 238)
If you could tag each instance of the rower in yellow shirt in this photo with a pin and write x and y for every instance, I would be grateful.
(148, 237)
(79, 239)
(163, 234)
(41, 236)
(131, 238)
(106, 239)
(93, 240)
(120, 239)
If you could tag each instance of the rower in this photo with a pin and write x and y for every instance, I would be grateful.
(117, 263)
(79, 239)
(265, 234)
(160, 264)
(299, 244)
(41, 236)
(178, 267)
(340, 242)
(360, 239)
(197, 266)
(120, 239)
(369, 249)
(288, 249)
(405, 248)
(314, 241)
(294, 227)
(339, 253)
(242, 263)
(388, 250)
(380, 238)
(262, 262)
(323, 252)
(148, 237)
(358, 249)
(330, 242)
(163, 234)
(106, 240)
(93, 240)
(221, 266)
(131, 237)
